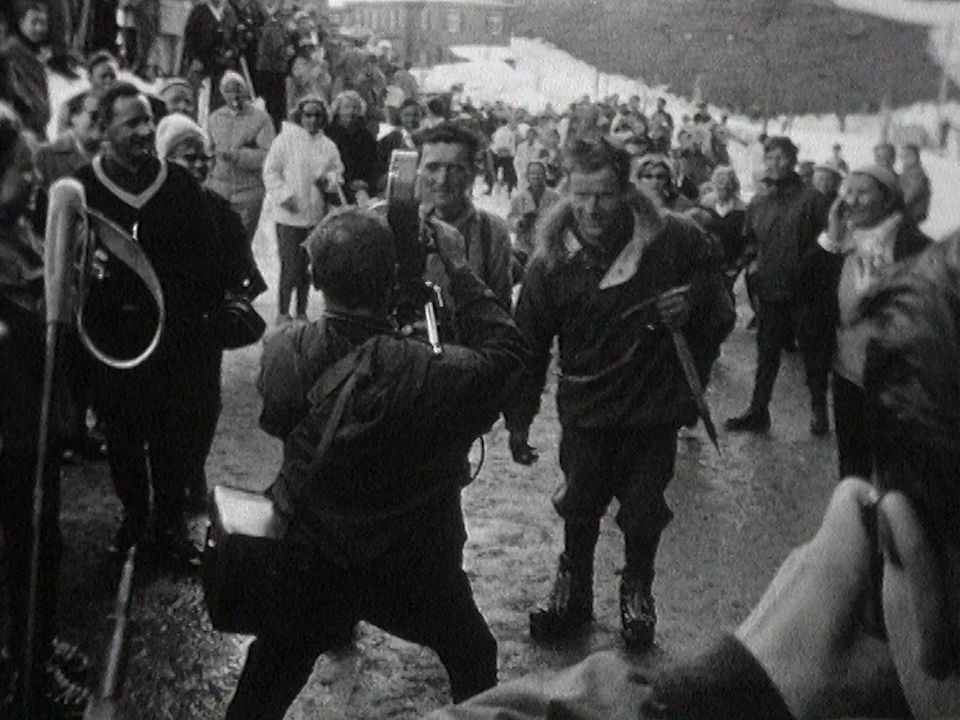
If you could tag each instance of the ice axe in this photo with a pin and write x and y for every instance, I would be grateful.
(102, 705)
(696, 387)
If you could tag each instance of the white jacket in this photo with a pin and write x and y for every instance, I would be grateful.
(296, 161)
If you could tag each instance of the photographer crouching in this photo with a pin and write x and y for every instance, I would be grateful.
(375, 429)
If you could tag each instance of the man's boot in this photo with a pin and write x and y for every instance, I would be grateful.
(638, 613)
(570, 606)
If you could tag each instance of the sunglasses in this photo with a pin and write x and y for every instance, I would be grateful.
(655, 176)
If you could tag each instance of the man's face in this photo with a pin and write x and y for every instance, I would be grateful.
(34, 25)
(536, 176)
(885, 156)
(130, 132)
(910, 157)
(191, 155)
(446, 175)
(102, 76)
(599, 202)
(864, 199)
(18, 185)
(410, 118)
(826, 181)
(777, 163)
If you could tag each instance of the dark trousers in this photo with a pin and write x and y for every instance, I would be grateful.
(776, 329)
(17, 471)
(505, 162)
(425, 598)
(634, 465)
(294, 268)
(855, 428)
(817, 338)
(272, 87)
(161, 440)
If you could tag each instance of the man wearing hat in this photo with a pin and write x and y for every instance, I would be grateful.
(869, 228)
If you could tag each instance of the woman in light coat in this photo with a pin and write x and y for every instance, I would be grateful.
(302, 165)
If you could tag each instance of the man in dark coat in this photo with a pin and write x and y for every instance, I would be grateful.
(207, 45)
(782, 226)
(613, 279)
(373, 495)
(159, 415)
(861, 621)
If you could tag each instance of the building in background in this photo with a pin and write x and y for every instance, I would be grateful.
(422, 32)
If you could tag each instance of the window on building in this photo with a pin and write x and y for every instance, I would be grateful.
(453, 22)
(495, 24)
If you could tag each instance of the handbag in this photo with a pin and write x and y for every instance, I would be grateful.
(236, 324)
(245, 558)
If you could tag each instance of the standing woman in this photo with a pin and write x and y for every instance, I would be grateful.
(57, 666)
(357, 146)
(240, 136)
(302, 165)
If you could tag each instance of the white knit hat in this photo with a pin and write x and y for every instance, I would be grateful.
(232, 77)
(175, 128)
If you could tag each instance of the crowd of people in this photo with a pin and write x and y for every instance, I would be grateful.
(625, 237)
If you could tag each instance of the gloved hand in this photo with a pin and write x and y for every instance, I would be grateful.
(520, 448)
(674, 308)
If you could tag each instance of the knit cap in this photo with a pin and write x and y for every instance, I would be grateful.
(231, 77)
(175, 128)
(882, 175)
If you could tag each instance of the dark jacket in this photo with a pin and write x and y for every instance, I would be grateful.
(726, 682)
(618, 365)
(21, 339)
(782, 226)
(916, 192)
(208, 40)
(398, 451)
(24, 84)
(358, 151)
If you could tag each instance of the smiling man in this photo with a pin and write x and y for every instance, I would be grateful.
(612, 278)
(446, 173)
(159, 416)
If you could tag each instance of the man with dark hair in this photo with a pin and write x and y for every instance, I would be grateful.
(447, 171)
(864, 619)
(782, 226)
(372, 494)
(160, 415)
(102, 71)
(622, 395)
